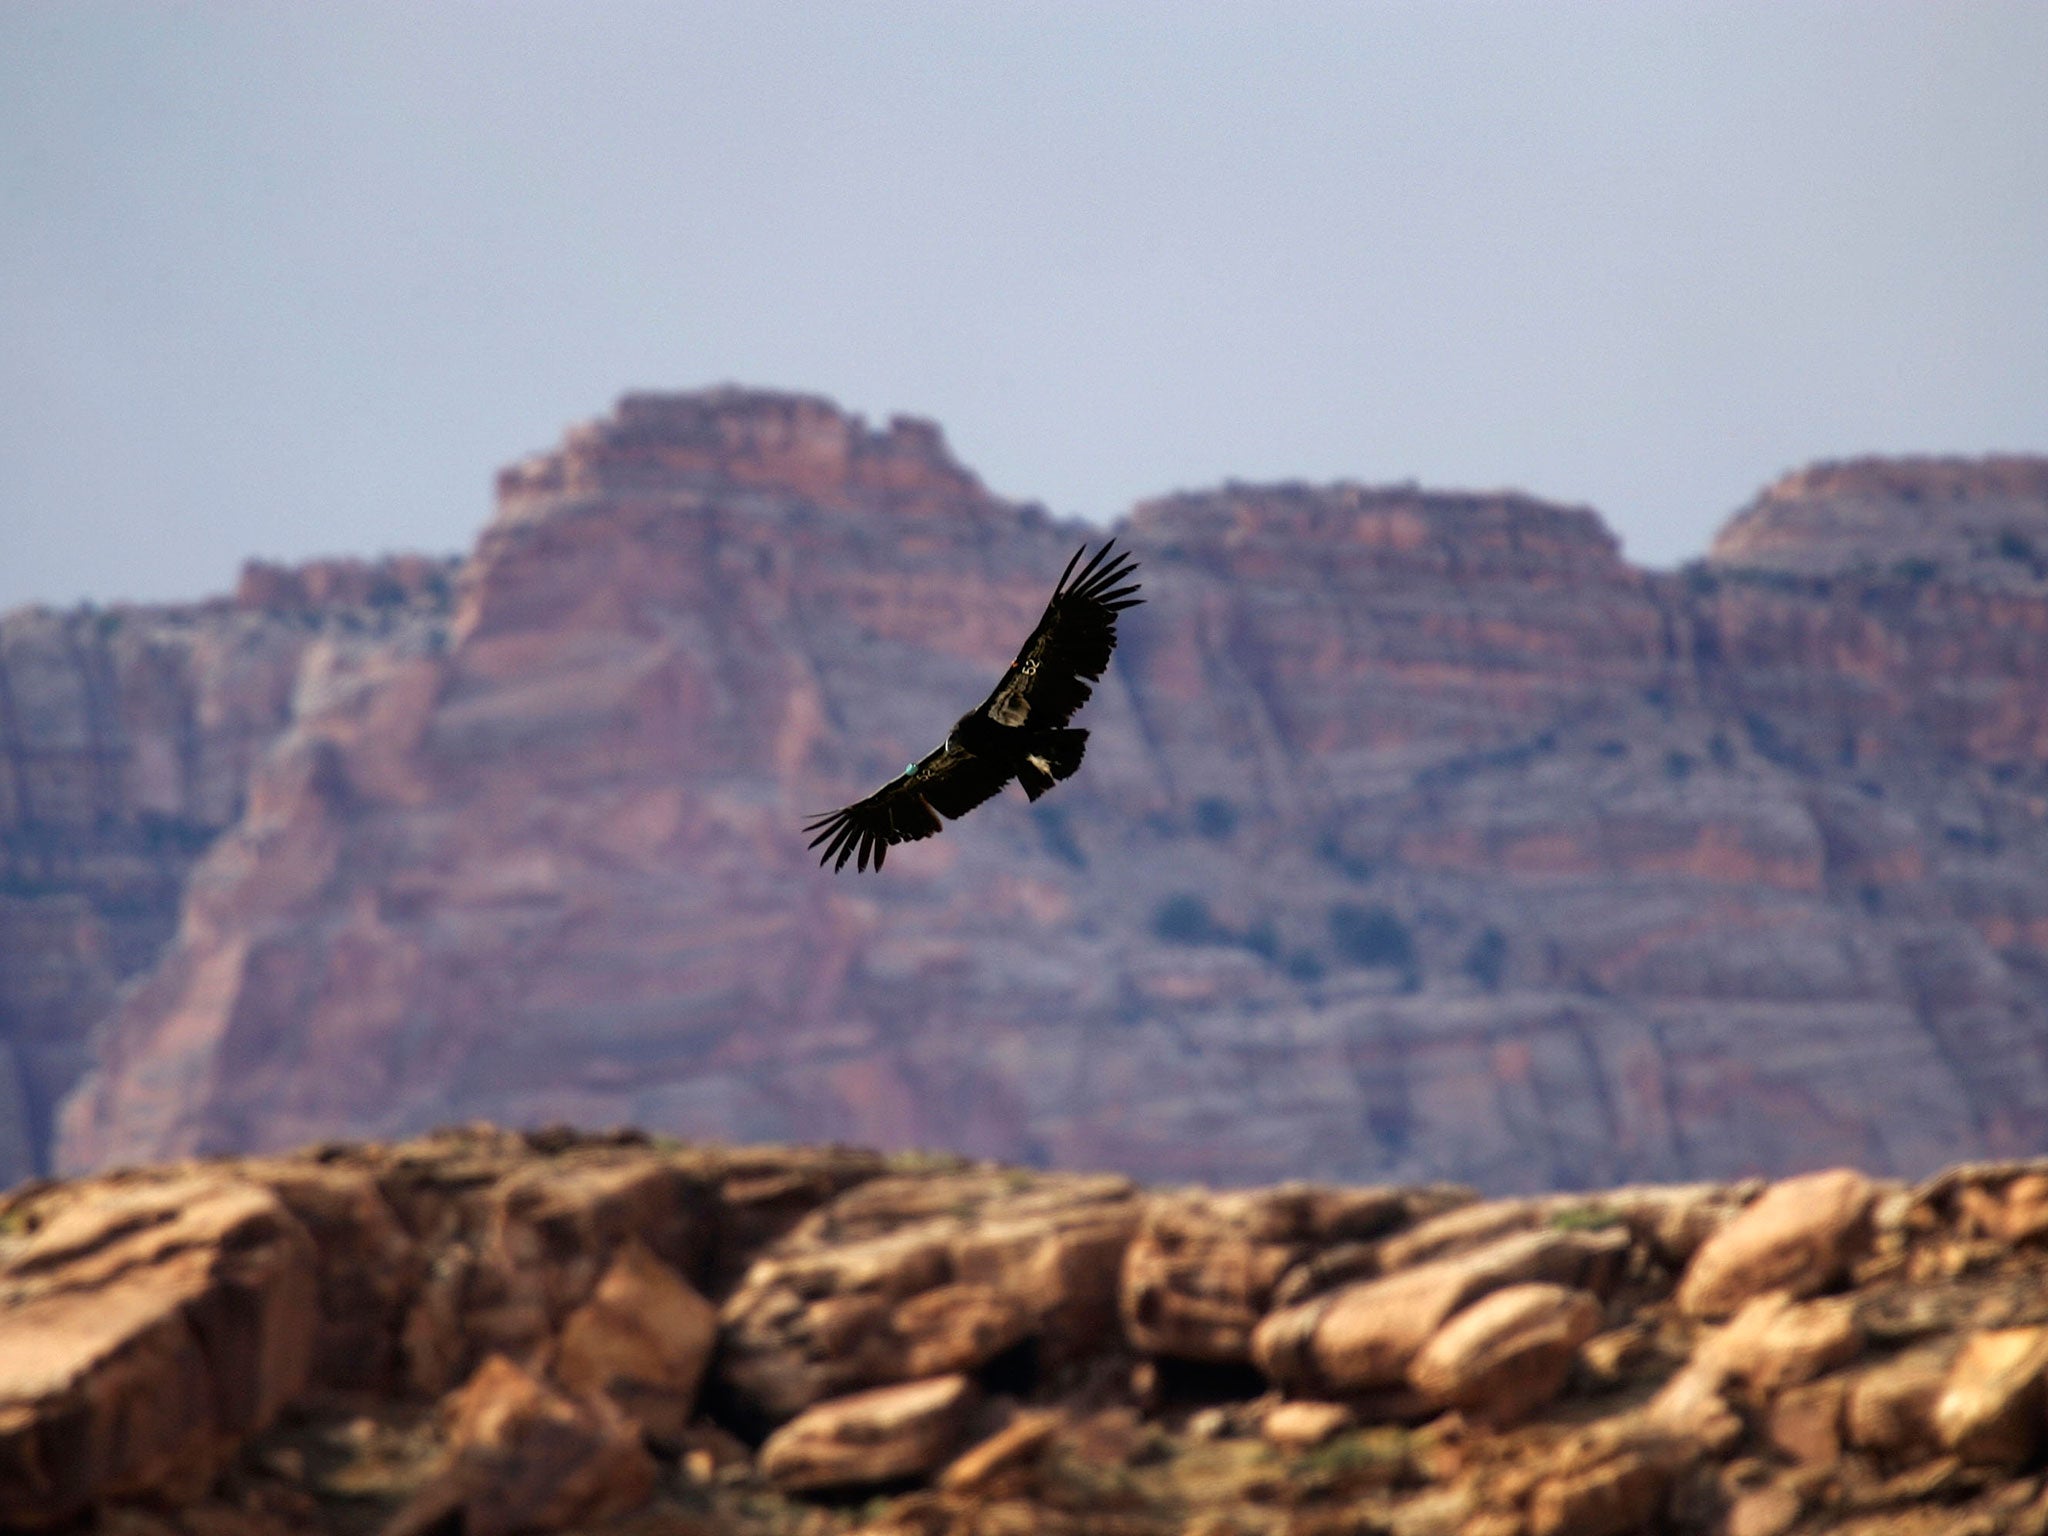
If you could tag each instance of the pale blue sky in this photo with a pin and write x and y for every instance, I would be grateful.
(289, 279)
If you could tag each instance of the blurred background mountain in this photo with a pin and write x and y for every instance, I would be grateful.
(1421, 834)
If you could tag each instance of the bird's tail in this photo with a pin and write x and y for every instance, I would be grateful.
(1052, 756)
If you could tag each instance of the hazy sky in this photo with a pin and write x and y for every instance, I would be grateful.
(290, 279)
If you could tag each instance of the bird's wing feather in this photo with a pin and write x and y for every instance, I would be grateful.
(949, 782)
(1050, 679)
(1057, 667)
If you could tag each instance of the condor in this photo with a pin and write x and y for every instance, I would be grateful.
(1019, 731)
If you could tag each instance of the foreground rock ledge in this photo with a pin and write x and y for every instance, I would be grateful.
(503, 1333)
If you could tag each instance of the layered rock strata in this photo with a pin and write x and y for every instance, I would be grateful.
(127, 738)
(1420, 836)
(553, 1332)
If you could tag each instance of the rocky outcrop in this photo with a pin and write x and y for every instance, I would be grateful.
(1366, 1336)
(522, 1456)
(1205, 1267)
(127, 738)
(1421, 836)
(147, 1327)
(1916, 516)
(1993, 1400)
(627, 1335)
(1502, 1358)
(151, 1322)
(1796, 1240)
(882, 1435)
(908, 1278)
(642, 1340)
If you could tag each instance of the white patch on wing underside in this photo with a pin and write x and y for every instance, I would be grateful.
(1012, 707)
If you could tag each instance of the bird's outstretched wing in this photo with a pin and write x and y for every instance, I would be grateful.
(949, 782)
(1067, 653)
(1050, 679)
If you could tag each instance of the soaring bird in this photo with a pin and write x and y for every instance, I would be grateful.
(1019, 731)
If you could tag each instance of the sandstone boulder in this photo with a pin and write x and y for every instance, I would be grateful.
(2023, 1209)
(1774, 1342)
(1805, 1422)
(1004, 1458)
(1890, 1406)
(367, 1264)
(1455, 1231)
(1693, 1407)
(1770, 1510)
(148, 1325)
(2009, 1209)
(901, 1277)
(643, 1340)
(553, 1227)
(957, 1327)
(1799, 1237)
(807, 1326)
(2005, 1201)
(1671, 1221)
(877, 1436)
(1507, 1354)
(517, 1241)
(1603, 1486)
(1301, 1426)
(1991, 1407)
(1203, 1267)
(1363, 1337)
(522, 1457)
(1056, 1244)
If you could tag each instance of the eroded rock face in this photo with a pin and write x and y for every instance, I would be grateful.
(643, 1340)
(1798, 1238)
(904, 1278)
(152, 1322)
(127, 738)
(1773, 1342)
(175, 1355)
(1890, 1407)
(145, 1330)
(878, 1436)
(1480, 853)
(1508, 1354)
(1619, 1492)
(524, 1457)
(1991, 1407)
(1205, 1267)
(1363, 1337)
(1988, 516)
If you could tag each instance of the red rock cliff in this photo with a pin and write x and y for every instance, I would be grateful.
(1420, 834)
(127, 736)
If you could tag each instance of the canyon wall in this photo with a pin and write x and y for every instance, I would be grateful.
(1420, 834)
(127, 737)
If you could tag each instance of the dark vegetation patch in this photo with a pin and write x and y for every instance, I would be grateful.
(1375, 938)
(1486, 961)
(1467, 765)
